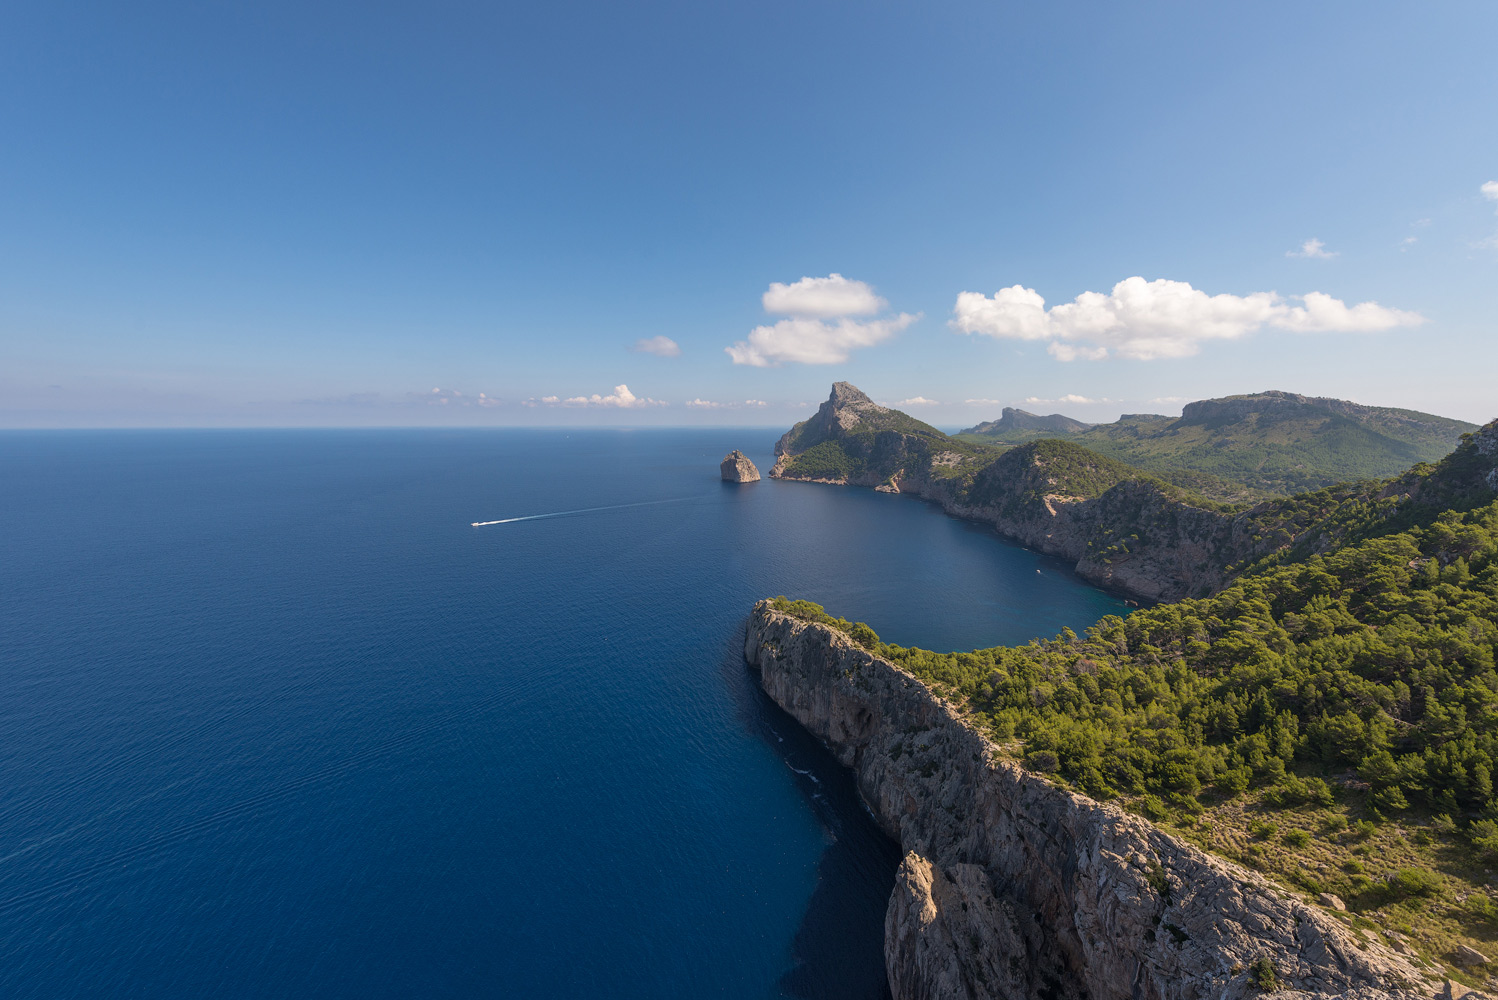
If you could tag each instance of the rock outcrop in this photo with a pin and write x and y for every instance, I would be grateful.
(1012, 888)
(737, 468)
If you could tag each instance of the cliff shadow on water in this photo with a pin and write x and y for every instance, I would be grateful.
(838, 952)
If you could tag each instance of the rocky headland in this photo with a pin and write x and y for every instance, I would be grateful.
(1121, 528)
(1013, 888)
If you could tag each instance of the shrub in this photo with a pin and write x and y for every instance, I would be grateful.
(1262, 975)
(1297, 838)
(1152, 807)
(1414, 882)
(1042, 761)
(1294, 791)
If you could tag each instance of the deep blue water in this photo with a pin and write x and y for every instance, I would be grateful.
(275, 720)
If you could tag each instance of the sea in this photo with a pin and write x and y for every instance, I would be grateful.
(277, 720)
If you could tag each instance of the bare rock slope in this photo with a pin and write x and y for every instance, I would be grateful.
(1014, 888)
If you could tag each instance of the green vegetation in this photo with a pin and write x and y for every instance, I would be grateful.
(1378, 659)
(1262, 975)
(878, 444)
(1330, 717)
(1271, 443)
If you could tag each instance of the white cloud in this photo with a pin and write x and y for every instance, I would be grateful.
(621, 398)
(1145, 320)
(1489, 191)
(1312, 248)
(1324, 314)
(918, 401)
(1070, 397)
(1408, 242)
(661, 347)
(1171, 399)
(820, 329)
(823, 298)
(983, 402)
(708, 404)
(813, 341)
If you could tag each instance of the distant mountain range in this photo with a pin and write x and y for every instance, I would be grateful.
(1016, 425)
(1274, 443)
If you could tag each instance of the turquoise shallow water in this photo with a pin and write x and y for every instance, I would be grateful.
(276, 720)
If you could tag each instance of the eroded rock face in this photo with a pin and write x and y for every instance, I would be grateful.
(737, 468)
(1013, 888)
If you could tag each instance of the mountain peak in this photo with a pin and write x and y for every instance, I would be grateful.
(848, 394)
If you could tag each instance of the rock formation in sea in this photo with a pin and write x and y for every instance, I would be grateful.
(738, 469)
(1013, 888)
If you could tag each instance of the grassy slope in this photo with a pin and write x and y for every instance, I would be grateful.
(1284, 450)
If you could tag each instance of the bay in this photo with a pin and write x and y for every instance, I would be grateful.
(277, 720)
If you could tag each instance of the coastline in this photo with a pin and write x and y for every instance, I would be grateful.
(1013, 887)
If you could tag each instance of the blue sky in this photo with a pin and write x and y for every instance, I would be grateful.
(308, 214)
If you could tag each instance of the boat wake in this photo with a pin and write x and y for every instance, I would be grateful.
(585, 510)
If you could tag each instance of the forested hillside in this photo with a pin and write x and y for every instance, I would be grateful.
(1330, 717)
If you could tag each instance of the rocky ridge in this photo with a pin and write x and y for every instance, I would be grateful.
(1012, 887)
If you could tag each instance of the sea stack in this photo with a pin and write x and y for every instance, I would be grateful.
(738, 469)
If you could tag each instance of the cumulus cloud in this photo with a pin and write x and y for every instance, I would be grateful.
(620, 398)
(1408, 242)
(661, 347)
(826, 298)
(821, 328)
(983, 402)
(813, 341)
(1145, 320)
(918, 401)
(1312, 248)
(1490, 190)
(755, 402)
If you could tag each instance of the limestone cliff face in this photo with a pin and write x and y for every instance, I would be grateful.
(736, 468)
(1014, 888)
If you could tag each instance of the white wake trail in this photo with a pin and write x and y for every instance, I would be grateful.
(584, 510)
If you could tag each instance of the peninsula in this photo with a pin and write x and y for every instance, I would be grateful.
(1281, 779)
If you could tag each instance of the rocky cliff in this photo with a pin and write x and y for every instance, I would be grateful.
(1014, 888)
(736, 468)
(1120, 530)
